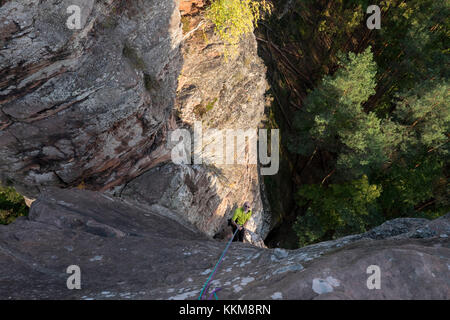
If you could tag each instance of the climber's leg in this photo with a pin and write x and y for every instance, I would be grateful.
(236, 236)
(241, 234)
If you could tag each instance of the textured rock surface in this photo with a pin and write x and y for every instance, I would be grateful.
(85, 106)
(129, 253)
(191, 6)
(92, 107)
(221, 94)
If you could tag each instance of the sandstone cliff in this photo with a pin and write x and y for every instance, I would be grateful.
(84, 107)
(92, 108)
(128, 253)
(221, 94)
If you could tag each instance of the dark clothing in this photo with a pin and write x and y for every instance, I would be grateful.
(239, 235)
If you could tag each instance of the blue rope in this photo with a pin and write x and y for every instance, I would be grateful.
(217, 264)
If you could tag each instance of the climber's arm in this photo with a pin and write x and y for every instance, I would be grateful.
(233, 220)
(236, 225)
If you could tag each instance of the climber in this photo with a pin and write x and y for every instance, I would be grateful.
(239, 220)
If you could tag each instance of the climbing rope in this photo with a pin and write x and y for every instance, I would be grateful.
(207, 284)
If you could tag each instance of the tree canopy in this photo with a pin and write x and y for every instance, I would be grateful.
(371, 128)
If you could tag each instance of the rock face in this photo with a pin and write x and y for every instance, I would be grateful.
(190, 6)
(85, 106)
(92, 107)
(128, 253)
(220, 94)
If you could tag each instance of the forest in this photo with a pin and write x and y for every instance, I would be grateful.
(364, 114)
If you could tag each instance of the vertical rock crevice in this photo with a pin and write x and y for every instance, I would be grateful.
(220, 94)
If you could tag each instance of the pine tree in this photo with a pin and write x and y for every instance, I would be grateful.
(416, 179)
(333, 118)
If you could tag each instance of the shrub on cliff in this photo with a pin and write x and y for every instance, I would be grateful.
(12, 205)
(234, 18)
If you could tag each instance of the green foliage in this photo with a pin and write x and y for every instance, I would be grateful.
(333, 118)
(382, 112)
(346, 17)
(412, 47)
(417, 175)
(403, 155)
(235, 18)
(12, 205)
(408, 185)
(336, 210)
(335, 105)
(424, 112)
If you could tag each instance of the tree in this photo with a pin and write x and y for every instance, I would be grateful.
(404, 156)
(336, 210)
(416, 178)
(425, 114)
(411, 47)
(333, 118)
(380, 112)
